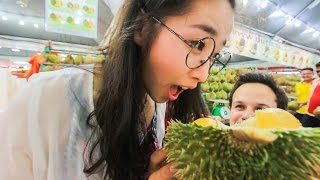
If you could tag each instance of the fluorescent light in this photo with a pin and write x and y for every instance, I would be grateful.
(15, 50)
(36, 25)
(20, 62)
(309, 30)
(21, 22)
(297, 23)
(289, 20)
(4, 18)
(264, 4)
(316, 34)
(277, 13)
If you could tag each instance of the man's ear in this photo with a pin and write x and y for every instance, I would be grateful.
(140, 34)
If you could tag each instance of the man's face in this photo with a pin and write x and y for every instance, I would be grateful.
(307, 75)
(318, 70)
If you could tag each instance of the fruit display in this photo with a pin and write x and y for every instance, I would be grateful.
(87, 23)
(56, 3)
(55, 61)
(70, 20)
(55, 17)
(219, 85)
(87, 9)
(271, 145)
(73, 6)
(288, 82)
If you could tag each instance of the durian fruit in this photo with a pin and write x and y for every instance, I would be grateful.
(250, 150)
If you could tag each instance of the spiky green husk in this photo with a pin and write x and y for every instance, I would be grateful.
(212, 153)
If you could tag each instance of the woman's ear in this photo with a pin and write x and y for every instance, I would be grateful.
(140, 34)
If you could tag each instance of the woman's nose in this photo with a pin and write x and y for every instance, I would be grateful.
(201, 73)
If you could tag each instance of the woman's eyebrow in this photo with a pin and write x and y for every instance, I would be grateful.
(208, 29)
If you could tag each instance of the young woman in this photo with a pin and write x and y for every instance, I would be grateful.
(73, 124)
(254, 91)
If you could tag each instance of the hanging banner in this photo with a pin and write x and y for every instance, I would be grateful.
(249, 43)
(74, 17)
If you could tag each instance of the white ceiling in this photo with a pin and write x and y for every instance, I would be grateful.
(271, 19)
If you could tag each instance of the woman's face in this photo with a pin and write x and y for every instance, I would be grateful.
(165, 72)
(248, 98)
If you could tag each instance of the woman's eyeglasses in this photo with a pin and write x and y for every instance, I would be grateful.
(201, 51)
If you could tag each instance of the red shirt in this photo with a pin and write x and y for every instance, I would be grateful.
(314, 101)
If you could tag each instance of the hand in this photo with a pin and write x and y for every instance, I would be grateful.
(301, 104)
(158, 169)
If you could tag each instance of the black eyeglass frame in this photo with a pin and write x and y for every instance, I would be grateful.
(214, 57)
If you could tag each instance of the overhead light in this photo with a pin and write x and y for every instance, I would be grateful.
(316, 34)
(0, 47)
(297, 23)
(264, 4)
(289, 20)
(309, 30)
(21, 22)
(244, 2)
(15, 50)
(36, 25)
(4, 18)
(22, 3)
(277, 13)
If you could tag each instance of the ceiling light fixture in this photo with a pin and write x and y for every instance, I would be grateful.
(21, 22)
(277, 13)
(264, 4)
(297, 23)
(289, 20)
(4, 18)
(309, 30)
(36, 25)
(316, 34)
(15, 50)
(22, 3)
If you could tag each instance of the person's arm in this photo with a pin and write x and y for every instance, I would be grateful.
(15, 156)
(34, 128)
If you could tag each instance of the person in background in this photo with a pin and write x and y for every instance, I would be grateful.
(309, 119)
(303, 90)
(318, 69)
(70, 125)
(254, 91)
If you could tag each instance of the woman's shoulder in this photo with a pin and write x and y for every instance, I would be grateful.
(64, 75)
(73, 83)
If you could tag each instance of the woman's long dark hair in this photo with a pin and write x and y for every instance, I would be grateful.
(113, 146)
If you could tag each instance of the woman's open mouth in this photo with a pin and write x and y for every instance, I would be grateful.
(174, 92)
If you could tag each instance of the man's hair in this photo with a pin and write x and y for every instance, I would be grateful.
(307, 69)
(318, 64)
(265, 79)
